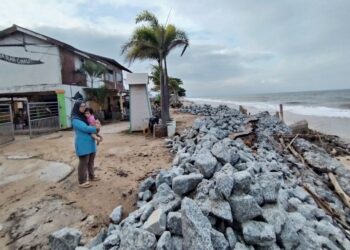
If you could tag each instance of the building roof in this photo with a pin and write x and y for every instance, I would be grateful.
(15, 28)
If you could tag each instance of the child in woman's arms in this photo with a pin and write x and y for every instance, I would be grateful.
(89, 114)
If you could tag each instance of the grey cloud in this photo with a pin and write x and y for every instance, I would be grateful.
(244, 46)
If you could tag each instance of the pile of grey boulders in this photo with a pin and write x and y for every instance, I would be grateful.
(221, 194)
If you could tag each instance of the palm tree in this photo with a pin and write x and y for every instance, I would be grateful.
(173, 82)
(155, 77)
(93, 70)
(155, 41)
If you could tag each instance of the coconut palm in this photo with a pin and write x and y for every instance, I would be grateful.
(93, 70)
(155, 41)
(173, 83)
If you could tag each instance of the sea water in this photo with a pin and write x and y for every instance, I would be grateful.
(327, 111)
(330, 103)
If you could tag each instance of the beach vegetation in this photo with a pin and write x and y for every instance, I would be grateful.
(154, 41)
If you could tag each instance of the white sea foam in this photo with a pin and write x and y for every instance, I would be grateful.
(264, 106)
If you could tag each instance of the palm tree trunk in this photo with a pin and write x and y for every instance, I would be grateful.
(162, 95)
(166, 91)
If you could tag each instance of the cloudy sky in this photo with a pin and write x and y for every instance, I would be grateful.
(236, 47)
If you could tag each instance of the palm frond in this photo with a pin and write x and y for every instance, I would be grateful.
(146, 16)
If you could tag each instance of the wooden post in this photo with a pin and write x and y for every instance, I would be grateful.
(121, 104)
(281, 112)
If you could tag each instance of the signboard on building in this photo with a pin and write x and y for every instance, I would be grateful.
(19, 60)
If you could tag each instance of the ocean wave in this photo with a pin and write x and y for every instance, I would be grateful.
(295, 109)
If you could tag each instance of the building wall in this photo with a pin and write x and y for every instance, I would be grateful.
(12, 74)
(71, 65)
(69, 92)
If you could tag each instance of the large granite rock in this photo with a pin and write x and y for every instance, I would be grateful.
(177, 242)
(166, 199)
(258, 233)
(242, 181)
(221, 209)
(224, 181)
(166, 176)
(98, 239)
(156, 223)
(112, 241)
(65, 239)
(289, 234)
(205, 162)
(174, 223)
(137, 239)
(222, 152)
(244, 208)
(116, 215)
(275, 216)
(146, 184)
(196, 228)
(165, 242)
(184, 184)
(231, 237)
(270, 184)
(218, 240)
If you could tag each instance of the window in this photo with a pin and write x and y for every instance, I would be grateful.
(118, 76)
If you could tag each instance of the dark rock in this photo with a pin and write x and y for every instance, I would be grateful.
(218, 240)
(112, 241)
(65, 239)
(174, 223)
(146, 184)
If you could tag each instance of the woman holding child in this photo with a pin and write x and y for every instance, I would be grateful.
(85, 146)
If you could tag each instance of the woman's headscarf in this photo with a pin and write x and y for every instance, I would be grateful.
(76, 114)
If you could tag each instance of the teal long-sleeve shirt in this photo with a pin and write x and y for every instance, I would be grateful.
(84, 143)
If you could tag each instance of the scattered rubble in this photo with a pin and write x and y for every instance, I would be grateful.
(250, 192)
